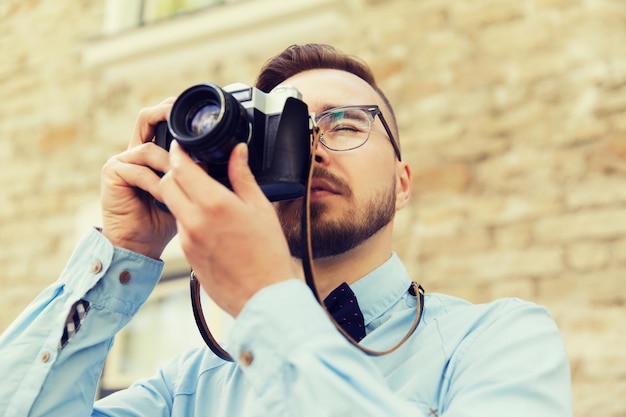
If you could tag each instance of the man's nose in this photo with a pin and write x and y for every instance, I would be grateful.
(321, 154)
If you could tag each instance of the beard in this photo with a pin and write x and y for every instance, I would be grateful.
(332, 237)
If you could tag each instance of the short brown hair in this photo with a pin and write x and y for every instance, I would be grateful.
(299, 58)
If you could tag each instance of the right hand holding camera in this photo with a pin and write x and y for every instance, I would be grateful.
(130, 219)
(232, 239)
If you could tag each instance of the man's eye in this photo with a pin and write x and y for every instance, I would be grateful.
(345, 127)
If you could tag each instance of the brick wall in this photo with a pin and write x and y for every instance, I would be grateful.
(512, 115)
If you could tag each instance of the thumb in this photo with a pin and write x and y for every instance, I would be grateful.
(241, 178)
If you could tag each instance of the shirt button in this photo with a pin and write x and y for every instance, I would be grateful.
(45, 357)
(96, 267)
(125, 277)
(246, 358)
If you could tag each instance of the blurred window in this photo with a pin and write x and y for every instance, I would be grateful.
(139, 35)
(127, 14)
(154, 10)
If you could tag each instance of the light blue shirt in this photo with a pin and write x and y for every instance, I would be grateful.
(505, 358)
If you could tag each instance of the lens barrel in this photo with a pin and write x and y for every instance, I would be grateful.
(208, 122)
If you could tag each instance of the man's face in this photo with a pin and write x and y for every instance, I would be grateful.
(353, 193)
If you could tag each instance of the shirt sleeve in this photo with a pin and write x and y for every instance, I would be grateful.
(514, 364)
(509, 361)
(296, 360)
(39, 379)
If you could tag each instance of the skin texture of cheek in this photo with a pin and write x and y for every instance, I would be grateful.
(335, 231)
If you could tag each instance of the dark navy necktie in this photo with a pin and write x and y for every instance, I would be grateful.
(342, 305)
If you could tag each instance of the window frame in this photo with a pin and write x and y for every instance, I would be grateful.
(241, 26)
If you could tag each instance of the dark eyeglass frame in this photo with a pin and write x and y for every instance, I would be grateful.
(372, 110)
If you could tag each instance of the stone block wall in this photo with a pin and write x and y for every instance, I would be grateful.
(512, 115)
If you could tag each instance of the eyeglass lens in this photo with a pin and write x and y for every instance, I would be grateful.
(344, 129)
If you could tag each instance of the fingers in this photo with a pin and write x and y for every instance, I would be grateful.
(136, 168)
(195, 186)
(241, 177)
(181, 182)
(148, 119)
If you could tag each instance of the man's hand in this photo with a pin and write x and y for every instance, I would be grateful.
(232, 239)
(130, 218)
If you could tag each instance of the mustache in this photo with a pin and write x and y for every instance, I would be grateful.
(338, 184)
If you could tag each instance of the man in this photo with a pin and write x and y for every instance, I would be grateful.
(505, 358)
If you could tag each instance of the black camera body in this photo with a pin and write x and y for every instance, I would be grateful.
(208, 121)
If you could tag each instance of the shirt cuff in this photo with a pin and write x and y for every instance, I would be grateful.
(277, 324)
(124, 278)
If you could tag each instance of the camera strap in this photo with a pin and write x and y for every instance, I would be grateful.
(414, 289)
(309, 270)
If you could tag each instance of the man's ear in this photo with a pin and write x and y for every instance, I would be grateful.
(404, 182)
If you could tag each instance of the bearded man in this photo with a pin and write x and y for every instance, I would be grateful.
(504, 358)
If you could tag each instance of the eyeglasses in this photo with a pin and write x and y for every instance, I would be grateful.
(347, 128)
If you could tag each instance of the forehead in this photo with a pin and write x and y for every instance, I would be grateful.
(325, 88)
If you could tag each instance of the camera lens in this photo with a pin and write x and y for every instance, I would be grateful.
(205, 119)
(208, 122)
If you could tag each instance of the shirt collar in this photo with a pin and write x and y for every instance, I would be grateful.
(380, 289)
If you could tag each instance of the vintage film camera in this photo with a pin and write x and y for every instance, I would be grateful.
(208, 121)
